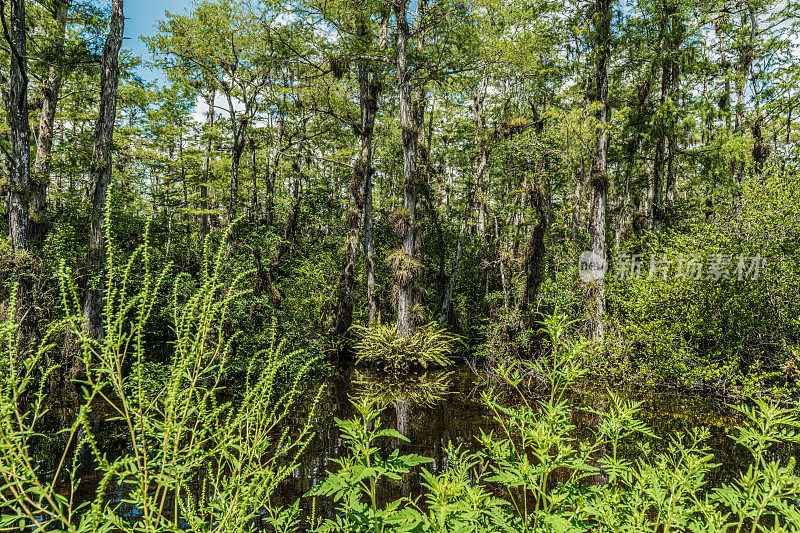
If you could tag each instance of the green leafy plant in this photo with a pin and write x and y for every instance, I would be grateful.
(193, 458)
(429, 346)
(535, 474)
(355, 484)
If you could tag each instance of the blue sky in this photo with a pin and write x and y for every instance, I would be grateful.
(141, 18)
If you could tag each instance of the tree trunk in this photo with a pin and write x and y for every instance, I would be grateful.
(254, 171)
(239, 133)
(744, 62)
(446, 311)
(577, 199)
(656, 191)
(187, 218)
(369, 254)
(533, 264)
(273, 175)
(101, 170)
(481, 164)
(369, 85)
(51, 90)
(599, 174)
(236, 156)
(18, 221)
(406, 265)
(369, 234)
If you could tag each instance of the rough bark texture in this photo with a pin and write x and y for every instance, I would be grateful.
(51, 90)
(101, 170)
(254, 204)
(599, 174)
(369, 85)
(534, 262)
(406, 270)
(18, 222)
(656, 183)
(369, 234)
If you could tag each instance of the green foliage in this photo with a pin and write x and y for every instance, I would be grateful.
(429, 346)
(534, 474)
(175, 427)
(710, 333)
(355, 484)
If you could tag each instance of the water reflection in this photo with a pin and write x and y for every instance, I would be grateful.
(433, 409)
(404, 393)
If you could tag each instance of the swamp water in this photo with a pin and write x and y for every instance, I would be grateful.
(433, 410)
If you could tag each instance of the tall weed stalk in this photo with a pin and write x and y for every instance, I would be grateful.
(194, 458)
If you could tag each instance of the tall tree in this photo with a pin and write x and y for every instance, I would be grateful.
(51, 91)
(599, 180)
(232, 48)
(207, 170)
(101, 170)
(18, 222)
(405, 262)
(360, 216)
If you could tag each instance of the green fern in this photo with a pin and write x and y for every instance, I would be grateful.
(430, 346)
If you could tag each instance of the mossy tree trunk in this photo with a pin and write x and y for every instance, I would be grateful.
(406, 272)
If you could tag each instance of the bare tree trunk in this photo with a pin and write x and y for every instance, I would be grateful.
(577, 199)
(671, 183)
(239, 133)
(369, 254)
(186, 216)
(273, 175)
(369, 234)
(599, 176)
(18, 221)
(51, 90)
(236, 156)
(745, 61)
(101, 170)
(406, 265)
(654, 207)
(533, 265)
(254, 171)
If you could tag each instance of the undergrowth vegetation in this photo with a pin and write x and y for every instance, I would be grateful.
(196, 461)
(198, 456)
(535, 475)
(192, 458)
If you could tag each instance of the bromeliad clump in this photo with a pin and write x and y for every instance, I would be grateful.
(430, 346)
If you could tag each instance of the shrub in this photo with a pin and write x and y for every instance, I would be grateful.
(428, 347)
(174, 428)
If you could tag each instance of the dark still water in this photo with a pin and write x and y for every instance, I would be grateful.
(434, 409)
